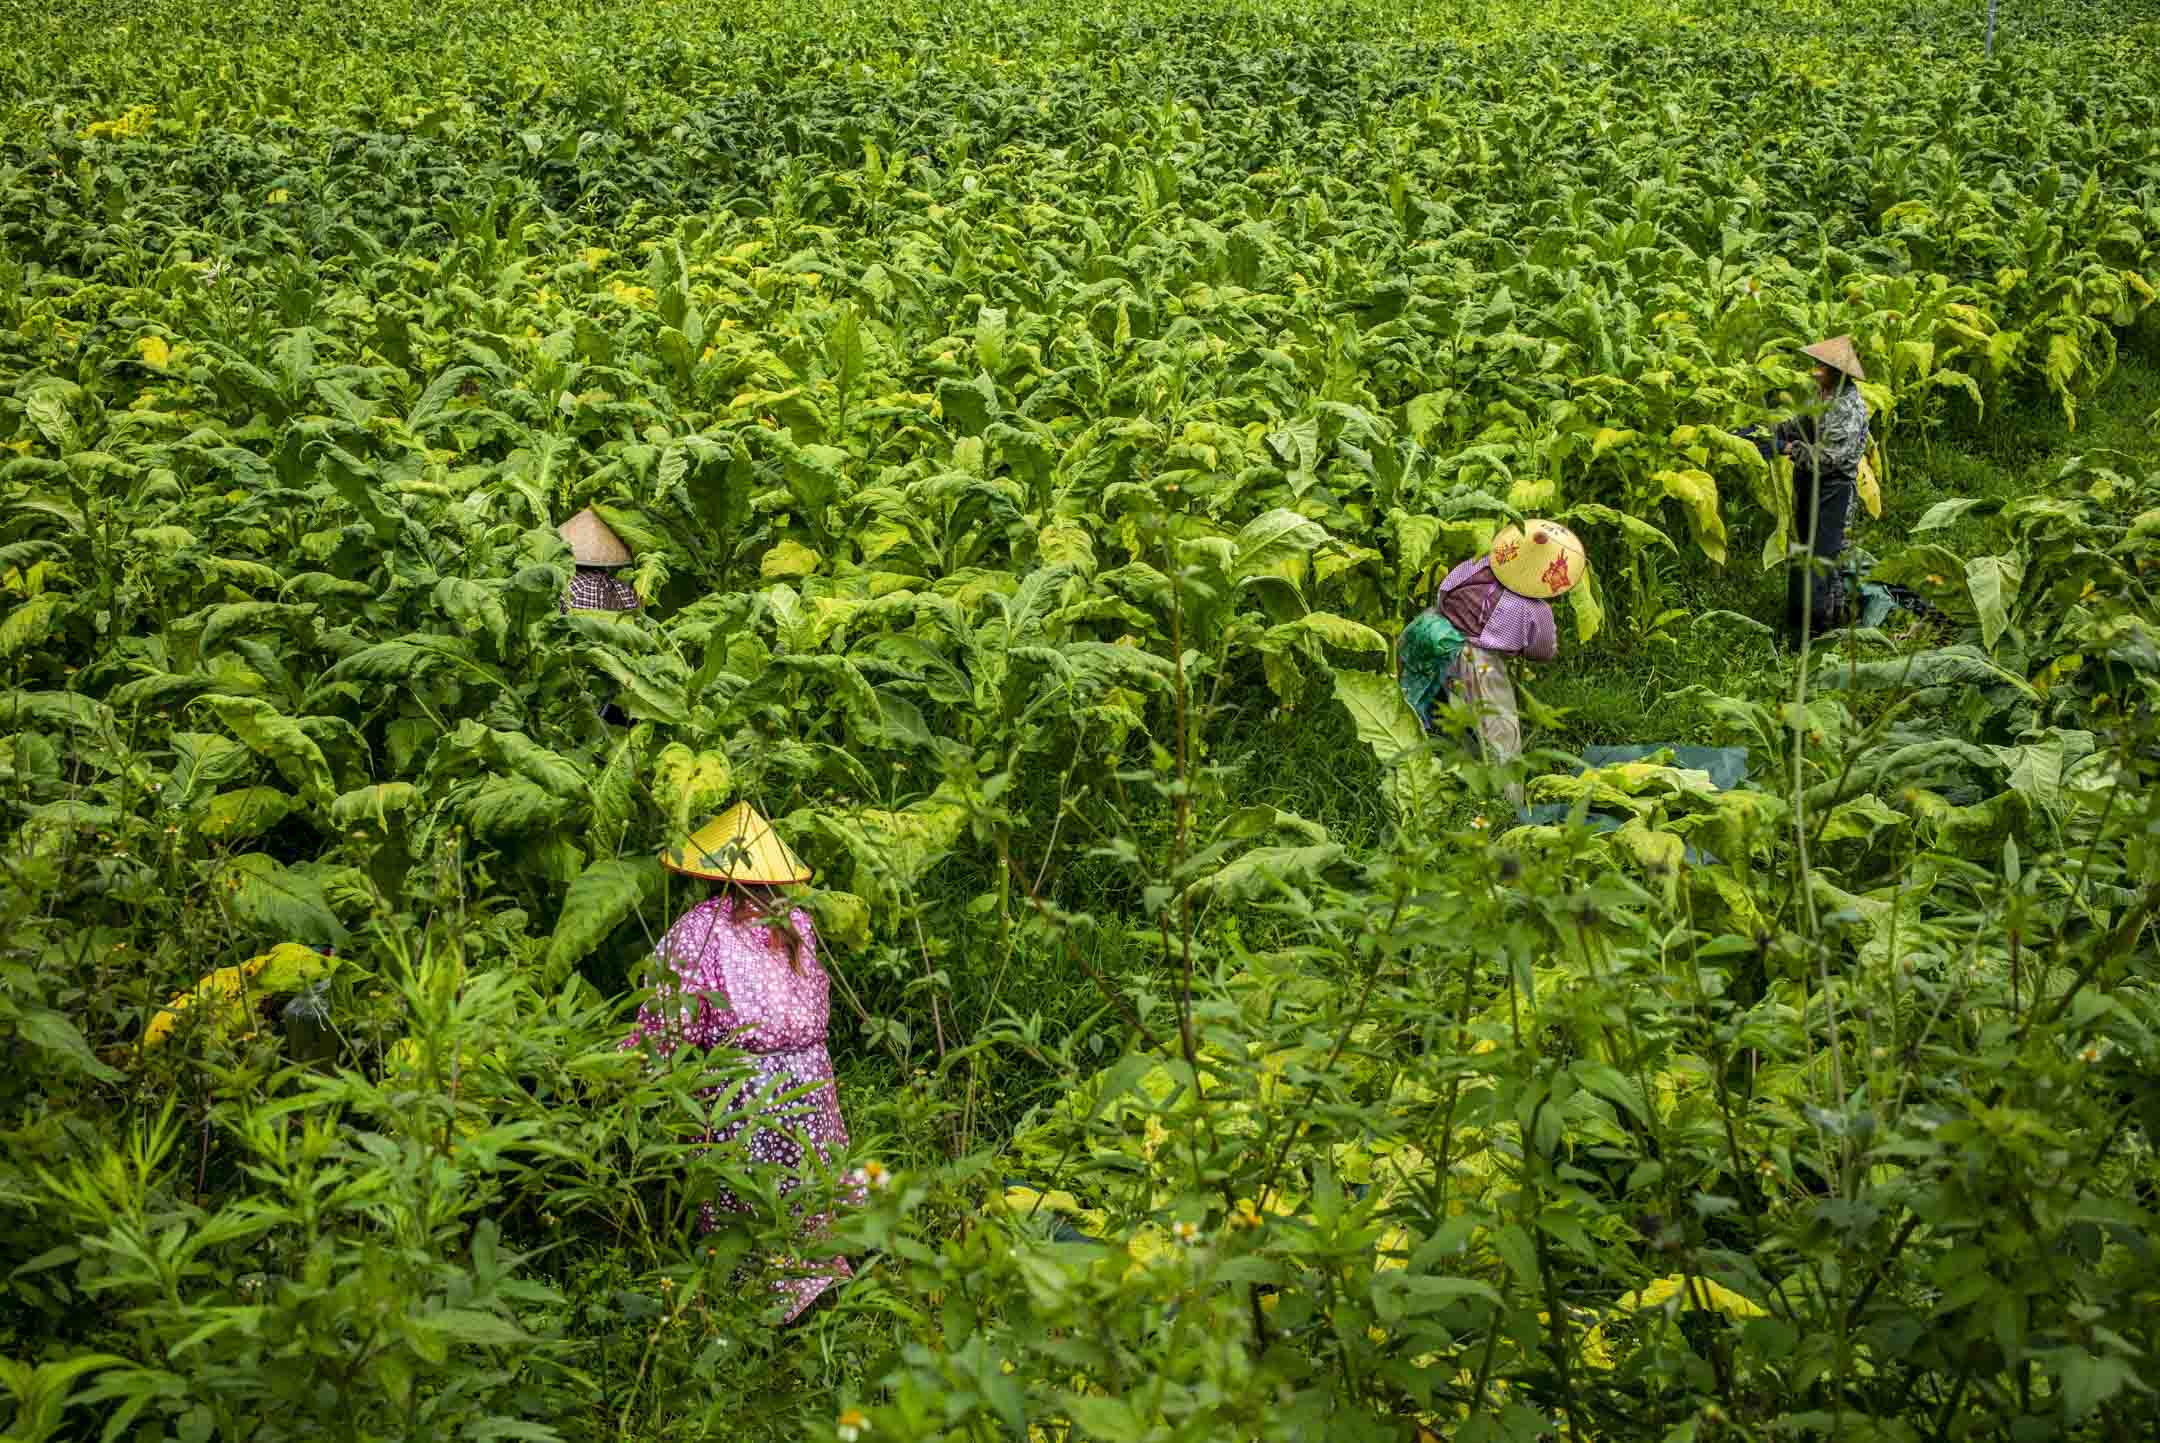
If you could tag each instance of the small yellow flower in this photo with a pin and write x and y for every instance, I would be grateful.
(1186, 1233)
(873, 1175)
(853, 1424)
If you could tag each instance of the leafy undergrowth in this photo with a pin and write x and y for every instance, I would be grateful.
(1033, 426)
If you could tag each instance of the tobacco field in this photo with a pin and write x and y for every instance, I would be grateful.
(1034, 425)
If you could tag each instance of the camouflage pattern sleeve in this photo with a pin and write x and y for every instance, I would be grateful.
(1843, 435)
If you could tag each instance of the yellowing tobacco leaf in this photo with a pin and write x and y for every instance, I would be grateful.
(1718, 1298)
(1697, 491)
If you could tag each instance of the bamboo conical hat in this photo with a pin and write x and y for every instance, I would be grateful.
(591, 541)
(739, 845)
(1839, 354)
(1542, 563)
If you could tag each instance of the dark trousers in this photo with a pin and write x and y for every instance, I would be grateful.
(1821, 506)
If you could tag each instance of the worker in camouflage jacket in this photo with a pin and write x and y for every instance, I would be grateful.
(1825, 446)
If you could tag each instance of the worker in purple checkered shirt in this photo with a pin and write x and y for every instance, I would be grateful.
(1487, 609)
(599, 553)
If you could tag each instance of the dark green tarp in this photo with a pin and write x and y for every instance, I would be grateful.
(1727, 766)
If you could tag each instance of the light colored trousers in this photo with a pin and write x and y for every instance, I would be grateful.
(1480, 679)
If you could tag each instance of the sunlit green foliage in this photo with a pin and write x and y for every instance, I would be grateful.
(1033, 424)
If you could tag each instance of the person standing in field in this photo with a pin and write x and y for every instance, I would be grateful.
(1487, 609)
(1825, 446)
(740, 969)
(599, 553)
(594, 588)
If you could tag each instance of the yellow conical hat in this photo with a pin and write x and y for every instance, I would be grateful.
(1839, 354)
(1546, 562)
(591, 541)
(739, 845)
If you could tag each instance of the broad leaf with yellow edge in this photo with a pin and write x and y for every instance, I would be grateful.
(1699, 1294)
(788, 560)
(1697, 492)
(689, 784)
(220, 1000)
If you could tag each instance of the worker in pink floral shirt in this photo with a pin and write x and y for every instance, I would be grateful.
(740, 969)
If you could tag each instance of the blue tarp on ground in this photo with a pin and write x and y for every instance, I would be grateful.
(1727, 766)
(1876, 604)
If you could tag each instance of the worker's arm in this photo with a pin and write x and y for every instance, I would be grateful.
(1841, 439)
(1544, 642)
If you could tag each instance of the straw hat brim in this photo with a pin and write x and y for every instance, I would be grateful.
(1538, 571)
(739, 845)
(592, 542)
(1839, 354)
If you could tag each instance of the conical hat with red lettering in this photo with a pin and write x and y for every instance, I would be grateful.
(1539, 560)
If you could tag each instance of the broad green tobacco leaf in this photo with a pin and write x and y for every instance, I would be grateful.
(1277, 543)
(790, 561)
(52, 1034)
(1256, 873)
(269, 732)
(1948, 513)
(534, 762)
(1384, 722)
(1383, 719)
(643, 692)
(841, 917)
(1993, 582)
(1657, 854)
(504, 807)
(1415, 534)
(27, 622)
(47, 408)
(612, 788)
(1335, 630)
(2038, 769)
(248, 812)
(1067, 543)
(265, 894)
(601, 898)
(690, 785)
(240, 617)
(203, 759)
(891, 849)
(1860, 819)
(1633, 530)
(1588, 605)
(1697, 492)
(474, 607)
(374, 804)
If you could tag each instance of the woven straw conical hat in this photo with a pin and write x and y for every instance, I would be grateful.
(1839, 354)
(739, 845)
(591, 542)
(1544, 562)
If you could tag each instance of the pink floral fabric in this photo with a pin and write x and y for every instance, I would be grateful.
(726, 981)
(592, 589)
